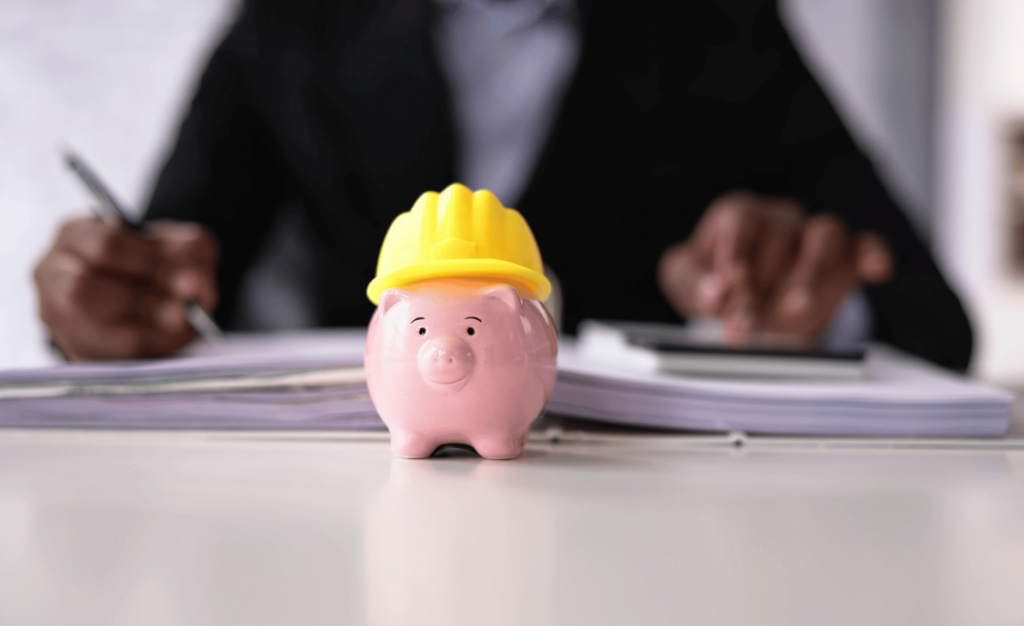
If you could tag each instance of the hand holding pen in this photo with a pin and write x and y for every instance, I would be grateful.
(109, 289)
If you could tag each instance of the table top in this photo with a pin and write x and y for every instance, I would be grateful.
(236, 528)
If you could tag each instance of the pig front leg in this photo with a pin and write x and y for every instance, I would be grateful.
(500, 445)
(411, 445)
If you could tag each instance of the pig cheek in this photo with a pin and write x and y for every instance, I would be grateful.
(391, 361)
(392, 344)
(496, 348)
(527, 343)
(499, 339)
(399, 341)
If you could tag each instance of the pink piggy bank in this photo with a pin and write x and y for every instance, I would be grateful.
(459, 360)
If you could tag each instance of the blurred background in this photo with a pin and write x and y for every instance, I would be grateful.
(931, 89)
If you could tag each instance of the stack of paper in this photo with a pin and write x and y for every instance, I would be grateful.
(899, 396)
(315, 380)
(286, 381)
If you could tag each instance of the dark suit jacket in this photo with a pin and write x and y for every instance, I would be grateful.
(342, 107)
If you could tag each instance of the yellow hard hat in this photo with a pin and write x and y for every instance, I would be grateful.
(460, 233)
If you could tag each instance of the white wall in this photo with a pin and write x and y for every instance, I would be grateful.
(981, 91)
(106, 77)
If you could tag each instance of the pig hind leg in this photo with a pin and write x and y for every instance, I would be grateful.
(501, 446)
(410, 445)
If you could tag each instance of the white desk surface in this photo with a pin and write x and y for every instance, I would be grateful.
(190, 528)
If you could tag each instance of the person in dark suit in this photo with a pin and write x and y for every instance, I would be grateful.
(685, 163)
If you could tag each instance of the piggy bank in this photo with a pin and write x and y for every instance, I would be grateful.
(459, 361)
(460, 349)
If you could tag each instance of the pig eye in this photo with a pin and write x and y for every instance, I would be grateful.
(423, 331)
(470, 331)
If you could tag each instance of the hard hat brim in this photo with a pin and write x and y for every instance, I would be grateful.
(527, 282)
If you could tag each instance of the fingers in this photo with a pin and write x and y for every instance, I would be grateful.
(74, 285)
(821, 276)
(778, 244)
(693, 281)
(754, 241)
(726, 236)
(93, 315)
(106, 292)
(109, 248)
(88, 341)
(735, 229)
(758, 263)
(740, 245)
(873, 259)
(190, 255)
(680, 273)
(738, 314)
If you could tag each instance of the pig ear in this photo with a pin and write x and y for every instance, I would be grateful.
(390, 298)
(506, 295)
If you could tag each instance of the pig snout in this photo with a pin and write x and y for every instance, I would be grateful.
(445, 360)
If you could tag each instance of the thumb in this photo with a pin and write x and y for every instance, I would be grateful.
(189, 254)
(197, 285)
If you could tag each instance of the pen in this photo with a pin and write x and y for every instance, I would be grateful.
(112, 212)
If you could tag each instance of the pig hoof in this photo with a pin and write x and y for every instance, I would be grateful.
(411, 446)
(499, 448)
